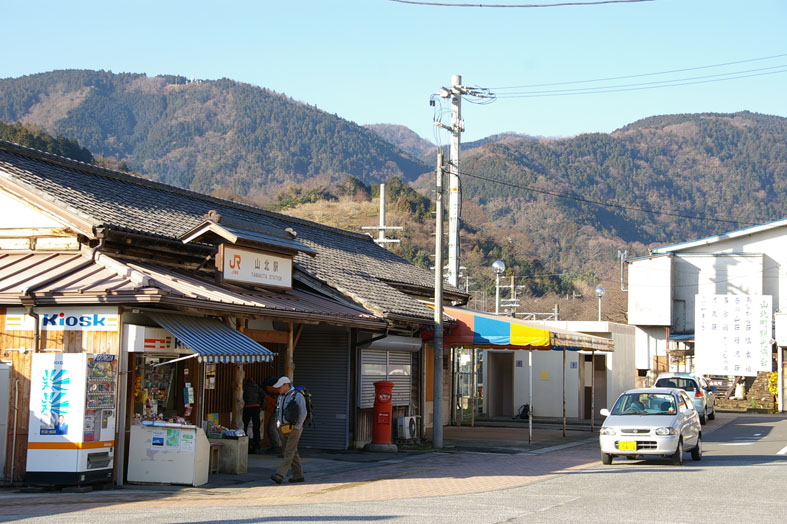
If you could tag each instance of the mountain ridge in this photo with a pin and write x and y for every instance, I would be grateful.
(571, 203)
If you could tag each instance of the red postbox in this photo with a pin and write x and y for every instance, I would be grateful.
(383, 410)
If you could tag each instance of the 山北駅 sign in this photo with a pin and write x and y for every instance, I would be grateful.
(255, 267)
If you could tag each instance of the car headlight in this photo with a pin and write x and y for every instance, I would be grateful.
(665, 431)
(608, 431)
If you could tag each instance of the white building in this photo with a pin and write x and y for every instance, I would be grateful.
(663, 287)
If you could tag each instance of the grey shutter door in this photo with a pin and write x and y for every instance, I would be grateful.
(388, 360)
(322, 364)
(369, 358)
(401, 390)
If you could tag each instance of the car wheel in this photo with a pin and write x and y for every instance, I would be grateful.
(606, 458)
(712, 414)
(702, 419)
(677, 457)
(696, 453)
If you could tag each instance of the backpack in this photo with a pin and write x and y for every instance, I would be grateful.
(291, 409)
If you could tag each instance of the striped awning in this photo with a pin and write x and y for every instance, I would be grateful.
(484, 330)
(213, 341)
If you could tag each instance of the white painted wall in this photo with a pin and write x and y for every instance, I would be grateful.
(711, 274)
(17, 214)
(650, 285)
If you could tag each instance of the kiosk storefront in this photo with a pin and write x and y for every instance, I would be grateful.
(166, 438)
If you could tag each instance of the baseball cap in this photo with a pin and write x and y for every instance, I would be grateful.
(283, 380)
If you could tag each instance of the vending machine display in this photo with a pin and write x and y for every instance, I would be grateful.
(71, 437)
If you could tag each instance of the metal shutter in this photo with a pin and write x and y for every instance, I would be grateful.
(322, 364)
(389, 361)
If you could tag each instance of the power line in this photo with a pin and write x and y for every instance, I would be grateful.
(642, 86)
(559, 4)
(605, 204)
(697, 68)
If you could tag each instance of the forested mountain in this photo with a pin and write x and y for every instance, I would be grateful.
(665, 179)
(203, 135)
(549, 208)
(36, 138)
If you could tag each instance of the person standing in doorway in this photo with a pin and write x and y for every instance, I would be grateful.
(271, 440)
(252, 400)
(291, 413)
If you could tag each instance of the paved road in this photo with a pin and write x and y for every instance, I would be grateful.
(741, 477)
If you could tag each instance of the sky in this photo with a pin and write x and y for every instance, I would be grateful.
(379, 61)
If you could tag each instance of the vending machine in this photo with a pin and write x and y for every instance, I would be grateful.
(71, 437)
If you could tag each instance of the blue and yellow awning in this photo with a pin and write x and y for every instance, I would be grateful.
(212, 341)
(483, 330)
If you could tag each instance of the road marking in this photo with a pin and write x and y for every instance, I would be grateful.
(782, 451)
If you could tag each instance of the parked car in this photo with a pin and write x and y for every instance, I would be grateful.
(697, 387)
(650, 422)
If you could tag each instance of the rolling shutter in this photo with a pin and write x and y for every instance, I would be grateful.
(322, 364)
(393, 366)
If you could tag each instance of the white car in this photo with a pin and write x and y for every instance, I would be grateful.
(697, 388)
(651, 422)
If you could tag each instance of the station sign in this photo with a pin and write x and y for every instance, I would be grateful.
(258, 268)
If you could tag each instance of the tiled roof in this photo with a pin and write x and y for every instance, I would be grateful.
(60, 278)
(350, 262)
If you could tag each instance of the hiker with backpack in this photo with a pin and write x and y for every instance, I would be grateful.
(291, 414)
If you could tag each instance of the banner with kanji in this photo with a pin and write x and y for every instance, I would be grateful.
(733, 334)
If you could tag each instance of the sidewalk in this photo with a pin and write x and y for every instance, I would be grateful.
(473, 459)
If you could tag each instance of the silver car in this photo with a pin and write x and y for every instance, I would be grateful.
(698, 389)
(651, 422)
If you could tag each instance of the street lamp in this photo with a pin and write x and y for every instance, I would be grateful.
(499, 266)
(599, 294)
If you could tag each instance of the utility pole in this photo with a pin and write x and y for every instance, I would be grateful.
(382, 227)
(454, 93)
(437, 405)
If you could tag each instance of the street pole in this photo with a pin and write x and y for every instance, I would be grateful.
(497, 294)
(437, 405)
(454, 188)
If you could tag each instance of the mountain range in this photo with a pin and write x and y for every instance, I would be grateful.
(545, 206)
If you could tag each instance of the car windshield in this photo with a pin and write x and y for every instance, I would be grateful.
(686, 384)
(644, 404)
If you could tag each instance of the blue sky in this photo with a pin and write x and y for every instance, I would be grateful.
(377, 61)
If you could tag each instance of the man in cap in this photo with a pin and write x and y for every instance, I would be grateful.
(290, 430)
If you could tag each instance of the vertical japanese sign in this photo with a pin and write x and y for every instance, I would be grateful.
(733, 334)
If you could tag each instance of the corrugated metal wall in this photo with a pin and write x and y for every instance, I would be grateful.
(322, 364)
(386, 359)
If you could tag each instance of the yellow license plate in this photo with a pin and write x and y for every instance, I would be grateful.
(627, 446)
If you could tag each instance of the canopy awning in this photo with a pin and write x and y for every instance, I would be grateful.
(483, 330)
(213, 341)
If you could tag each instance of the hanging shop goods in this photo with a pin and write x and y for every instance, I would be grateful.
(72, 418)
